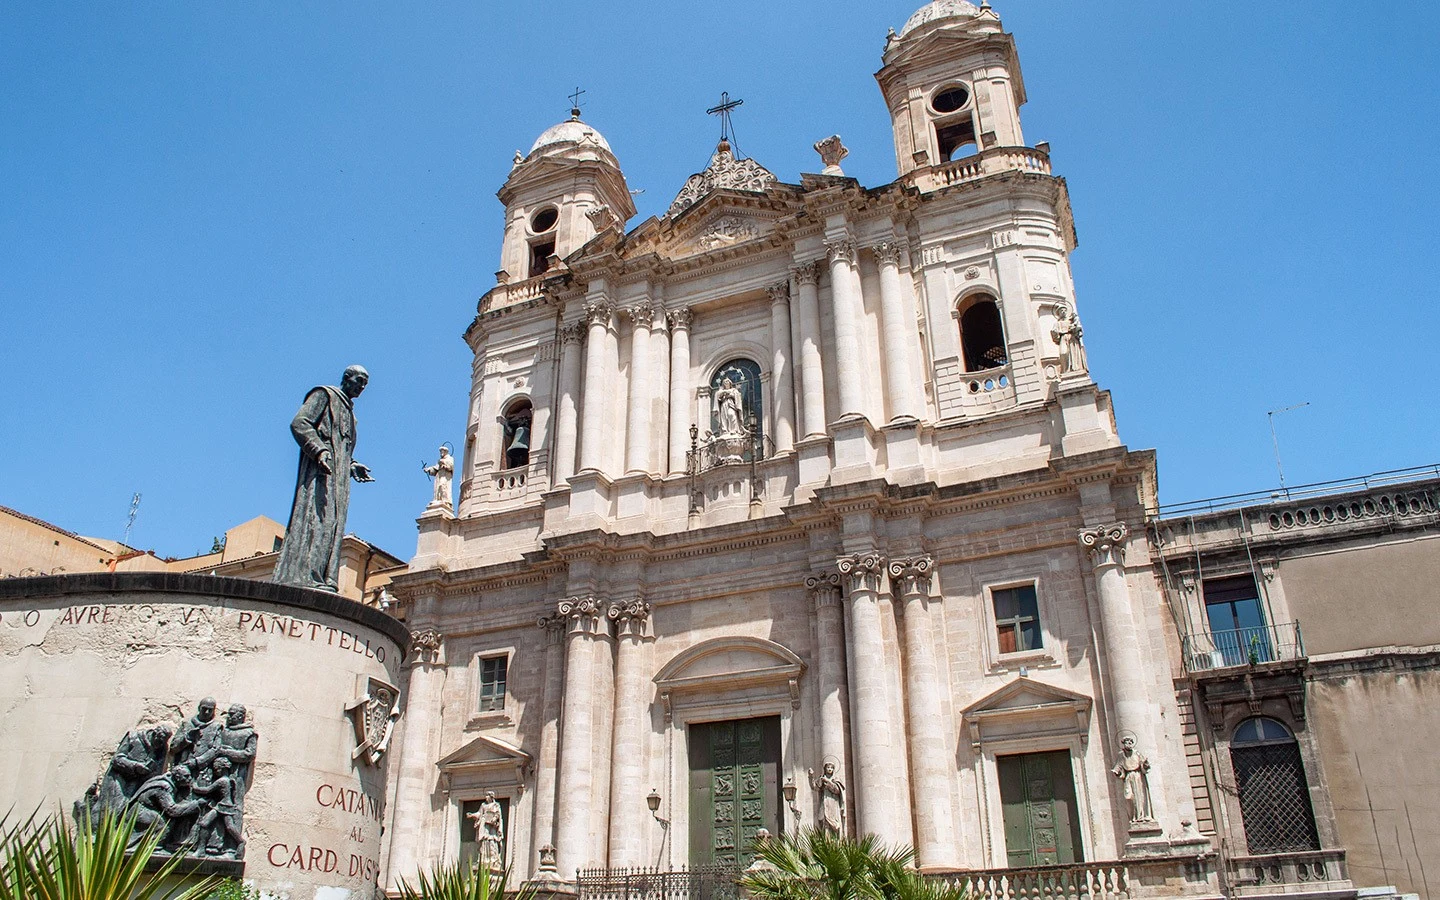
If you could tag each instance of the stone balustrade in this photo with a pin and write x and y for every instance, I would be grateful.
(1287, 873)
(1121, 880)
(503, 296)
(983, 164)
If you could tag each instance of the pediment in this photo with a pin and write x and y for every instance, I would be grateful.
(721, 229)
(1026, 707)
(484, 753)
(730, 664)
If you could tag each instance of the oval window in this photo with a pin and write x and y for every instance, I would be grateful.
(950, 99)
(544, 220)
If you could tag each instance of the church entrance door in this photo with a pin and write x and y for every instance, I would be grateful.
(734, 788)
(1037, 793)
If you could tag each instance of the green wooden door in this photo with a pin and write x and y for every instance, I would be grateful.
(734, 788)
(1042, 824)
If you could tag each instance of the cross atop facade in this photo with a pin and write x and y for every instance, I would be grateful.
(575, 102)
(723, 111)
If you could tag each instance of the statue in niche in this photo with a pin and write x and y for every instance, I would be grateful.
(197, 734)
(325, 430)
(1066, 334)
(1133, 771)
(140, 756)
(730, 409)
(830, 817)
(442, 471)
(167, 800)
(489, 821)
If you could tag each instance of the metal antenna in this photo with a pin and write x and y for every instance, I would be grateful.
(727, 129)
(1275, 442)
(575, 102)
(130, 519)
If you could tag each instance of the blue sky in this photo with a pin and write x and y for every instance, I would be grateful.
(206, 208)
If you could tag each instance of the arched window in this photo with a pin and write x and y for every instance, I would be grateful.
(725, 412)
(982, 339)
(515, 444)
(1270, 780)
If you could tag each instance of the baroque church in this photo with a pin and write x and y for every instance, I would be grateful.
(796, 505)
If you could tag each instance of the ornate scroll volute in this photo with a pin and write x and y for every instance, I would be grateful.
(910, 575)
(1106, 544)
(861, 572)
(554, 627)
(824, 588)
(582, 615)
(426, 646)
(630, 616)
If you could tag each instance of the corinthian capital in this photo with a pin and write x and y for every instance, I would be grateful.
(911, 574)
(805, 274)
(840, 249)
(861, 571)
(642, 315)
(887, 253)
(779, 293)
(425, 646)
(598, 313)
(680, 318)
(572, 333)
(1106, 544)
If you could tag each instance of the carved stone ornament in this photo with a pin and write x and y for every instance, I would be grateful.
(680, 318)
(601, 217)
(861, 571)
(887, 253)
(831, 153)
(198, 803)
(636, 610)
(724, 172)
(728, 230)
(598, 313)
(840, 250)
(912, 574)
(779, 293)
(1106, 544)
(579, 607)
(425, 645)
(373, 714)
(1133, 770)
(972, 273)
(805, 274)
(573, 333)
(642, 315)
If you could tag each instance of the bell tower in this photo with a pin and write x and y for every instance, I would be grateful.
(567, 189)
(951, 79)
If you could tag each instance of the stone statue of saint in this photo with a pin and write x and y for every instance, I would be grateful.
(1133, 771)
(730, 409)
(197, 734)
(831, 815)
(442, 471)
(1066, 334)
(140, 756)
(489, 822)
(325, 430)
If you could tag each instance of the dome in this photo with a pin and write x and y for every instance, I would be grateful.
(940, 9)
(570, 131)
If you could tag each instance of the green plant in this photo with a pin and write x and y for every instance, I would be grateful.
(460, 881)
(233, 889)
(817, 865)
(50, 859)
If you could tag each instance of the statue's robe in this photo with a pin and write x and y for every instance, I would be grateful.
(310, 556)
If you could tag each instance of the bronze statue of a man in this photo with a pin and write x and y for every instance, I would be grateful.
(325, 430)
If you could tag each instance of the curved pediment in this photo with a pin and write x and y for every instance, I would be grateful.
(731, 664)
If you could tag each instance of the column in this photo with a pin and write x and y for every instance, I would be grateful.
(546, 764)
(932, 798)
(845, 298)
(583, 619)
(566, 418)
(782, 377)
(860, 574)
(830, 669)
(1124, 662)
(592, 420)
(897, 334)
(812, 376)
(629, 814)
(415, 774)
(637, 421)
(659, 394)
(681, 407)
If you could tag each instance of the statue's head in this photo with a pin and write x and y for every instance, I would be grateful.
(354, 381)
(235, 715)
(1127, 740)
(727, 383)
(182, 775)
(221, 765)
(489, 796)
(829, 769)
(158, 736)
(205, 712)
(444, 451)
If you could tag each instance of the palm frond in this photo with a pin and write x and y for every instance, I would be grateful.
(460, 881)
(816, 865)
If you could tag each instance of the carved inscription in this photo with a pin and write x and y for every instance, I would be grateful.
(353, 809)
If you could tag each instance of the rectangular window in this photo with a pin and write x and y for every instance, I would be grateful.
(540, 257)
(1237, 622)
(492, 683)
(1017, 618)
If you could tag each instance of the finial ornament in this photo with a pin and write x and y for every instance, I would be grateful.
(1106, 543)
(831, 153)
(575, 102)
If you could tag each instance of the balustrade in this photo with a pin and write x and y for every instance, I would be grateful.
(989, 162)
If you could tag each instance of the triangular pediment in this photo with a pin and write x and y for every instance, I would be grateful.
(483, 753)
(1026, 709)
(1024, 694)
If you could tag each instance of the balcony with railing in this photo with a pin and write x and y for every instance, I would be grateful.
(984, 164)
(1210, 650)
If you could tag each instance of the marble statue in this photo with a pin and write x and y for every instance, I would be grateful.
(197, 734)
(1066, 334)
(489, 823)
(831, 815)
(325, 430)
(442, 471)
(1133, 771)
(730, 406)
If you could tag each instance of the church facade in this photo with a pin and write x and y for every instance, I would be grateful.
(798, 506)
